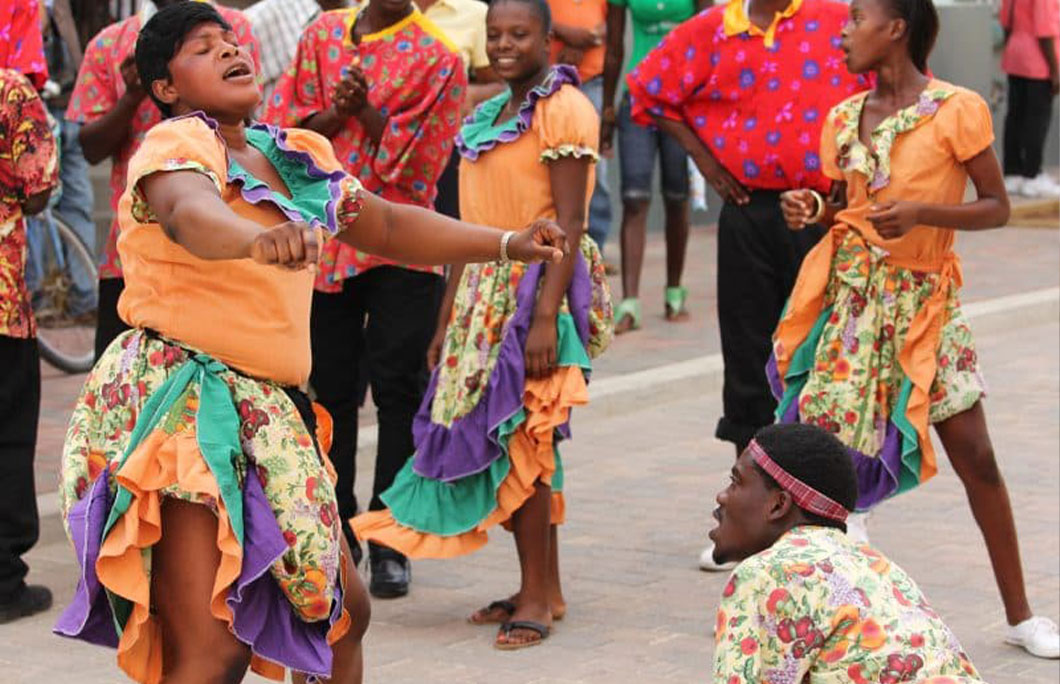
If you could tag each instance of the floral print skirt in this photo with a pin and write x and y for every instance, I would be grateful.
(157, 420)
(847, 376)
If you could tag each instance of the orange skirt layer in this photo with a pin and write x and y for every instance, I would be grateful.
(159, 462)
(547, 402)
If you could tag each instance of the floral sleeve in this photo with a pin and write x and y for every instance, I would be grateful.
(300, 92)
(765, 634)
(28, 154)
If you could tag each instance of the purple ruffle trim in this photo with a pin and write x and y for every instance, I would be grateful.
(262, 615)
(559, 75)
(89, 617)
(471, 443)
(877, 475)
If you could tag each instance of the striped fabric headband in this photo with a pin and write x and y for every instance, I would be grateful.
(805, 496)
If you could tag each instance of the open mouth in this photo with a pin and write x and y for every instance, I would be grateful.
(238, 70)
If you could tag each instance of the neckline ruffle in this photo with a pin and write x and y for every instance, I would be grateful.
(479, 133)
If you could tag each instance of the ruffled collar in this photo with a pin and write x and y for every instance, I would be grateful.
(315, 192)
(875, 163)
(480, 133)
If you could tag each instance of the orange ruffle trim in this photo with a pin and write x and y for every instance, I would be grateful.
(160, 461)
(548, 403)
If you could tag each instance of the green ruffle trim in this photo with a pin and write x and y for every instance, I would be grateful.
(802, 362)
(309, 196)
(448, 509)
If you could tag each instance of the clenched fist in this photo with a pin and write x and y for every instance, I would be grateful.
(293, 245)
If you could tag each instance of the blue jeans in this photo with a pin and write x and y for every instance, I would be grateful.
(638, 146)
(74, 207)
(600, 204)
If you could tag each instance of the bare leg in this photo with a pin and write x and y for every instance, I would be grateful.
(634, 227)
(967, 444)
(676, 240)
(197, 648)
(348, 664)
(532, 539)
(555, 588)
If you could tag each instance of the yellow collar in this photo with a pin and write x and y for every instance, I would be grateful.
(735, 20)
(414, 16)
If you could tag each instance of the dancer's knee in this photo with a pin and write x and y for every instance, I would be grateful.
(218, 664)
(977, 465)
(359, 606)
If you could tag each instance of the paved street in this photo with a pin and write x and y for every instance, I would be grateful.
(642, 472)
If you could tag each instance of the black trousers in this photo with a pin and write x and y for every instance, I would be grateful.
(758, 261)
(448, 200)
(377, 329)
(1030, 110)
(108, 325)
(19, 411)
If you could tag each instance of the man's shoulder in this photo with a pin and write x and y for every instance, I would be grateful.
(831, 10)
(234, 17)
(124, 31)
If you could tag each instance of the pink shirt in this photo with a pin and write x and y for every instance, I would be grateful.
(1029, 21)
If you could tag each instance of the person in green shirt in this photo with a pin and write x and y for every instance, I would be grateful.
(638, 146)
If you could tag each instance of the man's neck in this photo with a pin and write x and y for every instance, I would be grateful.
(762, 12)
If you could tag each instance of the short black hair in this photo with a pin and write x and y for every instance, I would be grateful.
(922, 26)
(816, 457)
(161, 37)
(538, 7)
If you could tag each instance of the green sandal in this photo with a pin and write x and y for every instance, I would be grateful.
(627, 308)
(675, 303)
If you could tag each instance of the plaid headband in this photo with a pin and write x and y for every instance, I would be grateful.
(806, 497)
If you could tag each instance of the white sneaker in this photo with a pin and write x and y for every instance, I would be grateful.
(1036, 635)
(1041, 186)
(1014, 185)
(708, 564)
(858, 527)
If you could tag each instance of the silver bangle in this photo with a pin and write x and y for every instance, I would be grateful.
(505, 239)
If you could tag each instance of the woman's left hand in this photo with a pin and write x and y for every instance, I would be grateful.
(542, 240)
(541, 347)
(894, 219)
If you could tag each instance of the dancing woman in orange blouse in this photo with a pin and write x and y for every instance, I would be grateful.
(874, 346)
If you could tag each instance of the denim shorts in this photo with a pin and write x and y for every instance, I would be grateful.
(637, 148)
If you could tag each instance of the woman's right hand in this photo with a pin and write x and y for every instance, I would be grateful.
(292, 244)
(607, 136)
(797, 206)
(434, 349)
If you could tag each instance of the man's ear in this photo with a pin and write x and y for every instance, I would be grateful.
(164, 91)
(898, 29)
(780, 505)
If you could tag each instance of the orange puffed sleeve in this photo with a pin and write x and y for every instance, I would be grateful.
(567, 125)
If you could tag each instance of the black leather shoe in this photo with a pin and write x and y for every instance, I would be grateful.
(28, 600)
(391, 573)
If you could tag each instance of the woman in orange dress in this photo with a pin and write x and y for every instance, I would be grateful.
(193, 487)
(874, 346)
(513, 347)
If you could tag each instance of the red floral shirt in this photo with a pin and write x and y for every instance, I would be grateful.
(756, 98)
(28, 166)
(98, 88)
(417, 82)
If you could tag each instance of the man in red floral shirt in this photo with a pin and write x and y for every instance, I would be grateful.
(28, 172)
(115, 113)
(745, 87)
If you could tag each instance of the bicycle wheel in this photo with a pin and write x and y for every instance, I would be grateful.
(66, 338)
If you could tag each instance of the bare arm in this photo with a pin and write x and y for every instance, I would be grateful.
(408, 233)
(989, 210)
(193, 215)
(434, 350)
(569, 178)
(614, 55)
(104, 137)
(724, 183)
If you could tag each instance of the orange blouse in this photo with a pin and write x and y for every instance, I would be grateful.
(252, 317)
(509, 186)
(926, 144)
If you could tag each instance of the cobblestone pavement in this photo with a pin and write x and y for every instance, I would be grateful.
(640, 488)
